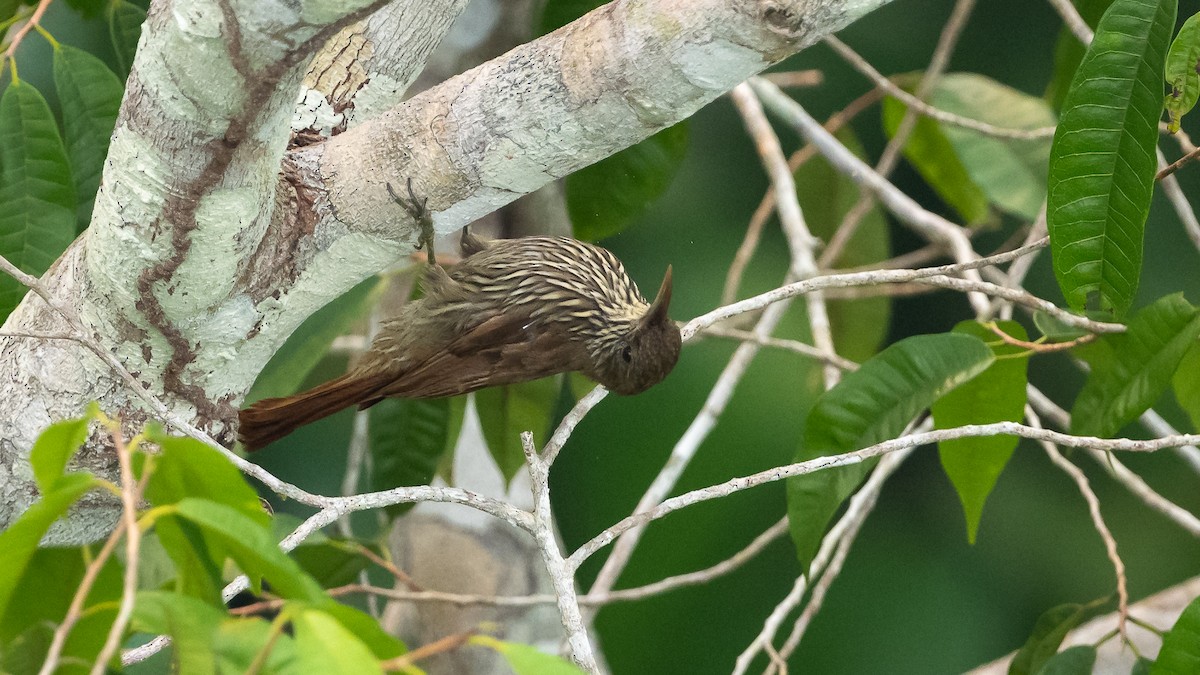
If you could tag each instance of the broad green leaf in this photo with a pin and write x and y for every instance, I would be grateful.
(324, 645)
(366, 629)
(188, 468)
(933, 156)
(995, 395)
(1142, 666)
(55, 447)
(1010, 172)
(191, 624)
(198, 558)
(1131, 370)
(25, 654)
(204, 639)
(250, 544)
(330, 561)
(505, 412)
(604, 198)
(306, 346)
(868, 406)
(860, 325)
(1180, 652)
(407, 440)
(1055, 329)
(1068, 52)
(525, 659)
(90, 95)
(1077, 660)
(20, 540)
(125, 29)
(37, 222)
(1187, 384)
(1048, 633)
(44, 594)
(1182, 77)
(1102, 164)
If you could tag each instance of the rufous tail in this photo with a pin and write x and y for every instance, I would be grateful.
(271, 419)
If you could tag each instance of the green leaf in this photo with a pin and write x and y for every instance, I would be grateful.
(505, 412)
(868, 406)
(366, 629)
(44, 594)
(125, 21)
(1187, 384)
(1077, 660)
(859, 325)
(604, 198)
(1180, 652)
(1055, 329)
(933, 156)
(250, 544)
(1068, 52)
(192, 625)
(1102, 164)
(188, 468)
(1141, 666)
(1010, 172)
(324, 645)
(1182, 61)
(330, 561)
(1131, 370)
(407, 440)
(995, 395)
(306, 347)
(25, 654)
(525, 659)
(37, 222)
(1048, 633)
(20, 540)
(91, 95)
(55, 447)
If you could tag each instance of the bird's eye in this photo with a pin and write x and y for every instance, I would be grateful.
(627, 353)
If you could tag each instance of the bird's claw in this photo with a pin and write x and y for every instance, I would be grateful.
(416, 208)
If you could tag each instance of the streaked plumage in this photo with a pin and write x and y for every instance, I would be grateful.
(513, 310)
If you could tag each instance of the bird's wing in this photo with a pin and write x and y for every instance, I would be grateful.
(501, 350)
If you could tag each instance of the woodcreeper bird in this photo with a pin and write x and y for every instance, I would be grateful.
(513, 310)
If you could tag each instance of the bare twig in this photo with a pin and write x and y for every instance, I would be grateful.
(1110, 544)
(882, 82)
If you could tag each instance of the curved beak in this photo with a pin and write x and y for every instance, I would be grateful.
(658, 309)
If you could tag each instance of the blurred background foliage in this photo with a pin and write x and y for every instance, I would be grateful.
(914, 597)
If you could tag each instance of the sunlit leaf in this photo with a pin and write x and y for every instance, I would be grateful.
(53, 448)
(527, 660)
(1180, 651)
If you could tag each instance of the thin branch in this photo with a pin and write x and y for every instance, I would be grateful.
(780, 343)
(1073, 20)
(1177, 164)
(928, 224)
(857, 514)
(1110, 544)
(883, 83)
(762, 212)
(893, 445)
(562, 576)
(133, 537)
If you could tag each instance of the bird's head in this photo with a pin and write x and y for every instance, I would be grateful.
(637, 353)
